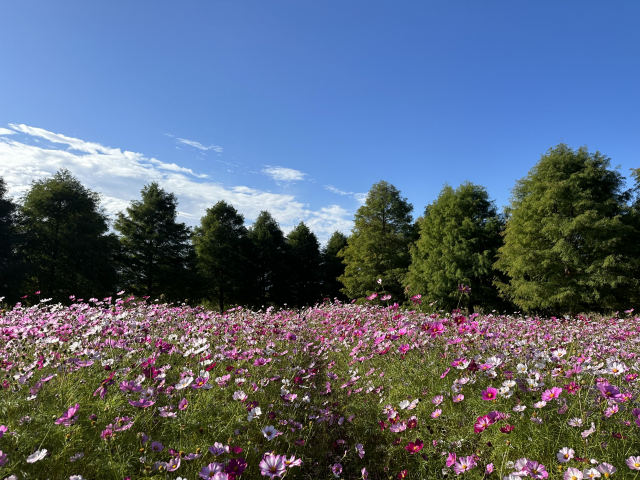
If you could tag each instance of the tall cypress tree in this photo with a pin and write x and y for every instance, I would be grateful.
(304, 274)
(221, 244)
(67, 246)
(566, 242)
(268, 261)
(378, 247)
(459, 238)
(332, 267)
(158, 258)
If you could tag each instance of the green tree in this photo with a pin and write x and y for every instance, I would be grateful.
(67, 247)
(157, 256)
(566, 242)
(332, 267)
(221, 245)
(11, 266)
(459, 238)
(378, 245)
(304, 266)
(268, 261)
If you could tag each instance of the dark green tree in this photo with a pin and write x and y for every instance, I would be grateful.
(332, 267)
(158, 258)
(568, 236)
(221, 244)
(11, 266)
(459, 238)
(378, 245)
(268, 261)
(67, 244)
(304, 267)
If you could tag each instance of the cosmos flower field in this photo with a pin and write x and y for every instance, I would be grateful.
(119, 388)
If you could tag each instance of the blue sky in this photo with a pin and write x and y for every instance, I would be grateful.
(299, 106)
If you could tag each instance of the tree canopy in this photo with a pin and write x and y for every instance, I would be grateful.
(268, 261)
(221, 244)
(304, 275)
(332, 267)
(67, 246)
(378, 245)
(567, 242)
(158, 258)
(11, 265)
(459, 238)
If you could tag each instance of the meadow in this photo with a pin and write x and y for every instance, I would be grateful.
(125, 388)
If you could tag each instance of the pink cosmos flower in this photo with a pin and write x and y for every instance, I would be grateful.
(3, 458)
(183, 404)
(610, 392)
(436, 413)
(210, 471)
(458, 398)
(633, 463)
(489, 469)
(3, 429)
(464, 464)
(482, 423)
(606, 469)
(573, 474)
(173, 464)
(69, 417)
(451, 459)
(551, 394)
(489, 394)
(611, 410)
(142, 403)
(565, 454)
(536, 470)
(199, 382)
(437, 400)
(337, 470)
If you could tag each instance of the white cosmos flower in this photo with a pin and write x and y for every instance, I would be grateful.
(269, 432)
(254, 413)
(184, 383)
(36, 456)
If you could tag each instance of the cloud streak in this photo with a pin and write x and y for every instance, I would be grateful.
(194, 144)
(360, 197)
(282, 174)
(120, 175)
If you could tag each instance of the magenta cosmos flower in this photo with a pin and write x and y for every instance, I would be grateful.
(489, 394)
(536, 470)
(551, 394)
(414, 447)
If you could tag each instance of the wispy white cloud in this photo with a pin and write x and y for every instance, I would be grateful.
(6, 131)
(360, 197)
(120, 175)
(282, 174)
(198, 145)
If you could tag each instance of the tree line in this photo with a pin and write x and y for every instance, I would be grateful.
(568, 242)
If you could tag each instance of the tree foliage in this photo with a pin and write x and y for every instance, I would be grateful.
(568, 242)
(378, 245)
(67, 246)
(221, 244)
(11, 266)
(304, 275)
(268, 261)
(459, 238)
(158, 258)
(332, 267)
